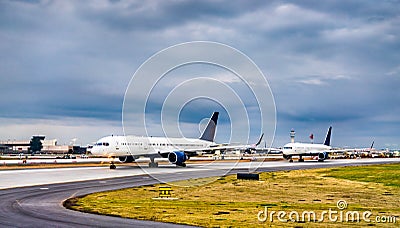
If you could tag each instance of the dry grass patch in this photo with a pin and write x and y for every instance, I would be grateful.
(230, 202)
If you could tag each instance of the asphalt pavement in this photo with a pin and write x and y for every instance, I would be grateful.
(41, 205)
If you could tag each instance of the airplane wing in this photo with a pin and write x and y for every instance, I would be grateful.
(312, 153)
(192, 152)
(227, 147)
(178, 157)
(212, 149)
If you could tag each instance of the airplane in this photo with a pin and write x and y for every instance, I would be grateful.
(366, 152)
(309, 149)
(252, 148)
(243, 149)
(177, 150)
(268, 150)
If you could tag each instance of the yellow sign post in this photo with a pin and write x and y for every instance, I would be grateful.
(165, 191)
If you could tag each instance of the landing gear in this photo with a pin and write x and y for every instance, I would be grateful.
(288, 157)
(301, 159)
(112, 165)
(153, 164)
(320, 160)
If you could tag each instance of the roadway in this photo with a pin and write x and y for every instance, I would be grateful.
(41, 205)
(39, 160)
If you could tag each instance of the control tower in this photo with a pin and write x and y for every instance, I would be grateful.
(292, 134)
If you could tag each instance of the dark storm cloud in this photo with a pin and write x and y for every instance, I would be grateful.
(156, 15)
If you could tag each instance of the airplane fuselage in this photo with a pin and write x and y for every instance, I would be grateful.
(143, 146)
(292, 149)
(177, 150)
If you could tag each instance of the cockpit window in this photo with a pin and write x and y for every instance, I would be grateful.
(287, 148)
(102, 144)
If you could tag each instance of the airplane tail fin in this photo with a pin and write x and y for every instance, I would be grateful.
(372, 145)
(209, 132)
(328, 137)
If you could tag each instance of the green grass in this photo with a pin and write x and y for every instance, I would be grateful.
(228, 202)
(388, 175)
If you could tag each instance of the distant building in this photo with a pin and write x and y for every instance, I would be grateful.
(48, 146)
(16, 146)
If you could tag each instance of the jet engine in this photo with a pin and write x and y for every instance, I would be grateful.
(126, 159)
(322, 156)
(178, 158)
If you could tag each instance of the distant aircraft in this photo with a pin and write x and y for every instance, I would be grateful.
(366, 152)
(243, 149)
(360, 152)
(252, 148)
(177, 150)
(309, 149)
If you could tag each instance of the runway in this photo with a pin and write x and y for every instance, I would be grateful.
(39, 161)
(41, 205)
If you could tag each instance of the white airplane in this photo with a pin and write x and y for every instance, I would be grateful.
(309, 149)
(177, 150)
(365, 152)
(243, 149)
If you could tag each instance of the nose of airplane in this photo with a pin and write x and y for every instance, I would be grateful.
(96, 150)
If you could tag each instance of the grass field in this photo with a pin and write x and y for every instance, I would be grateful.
(229, 202)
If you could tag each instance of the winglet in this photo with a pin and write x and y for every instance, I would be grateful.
(328, 137)
(209, 132)
(259, 141)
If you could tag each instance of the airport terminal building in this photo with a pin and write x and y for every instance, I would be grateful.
(47, 146)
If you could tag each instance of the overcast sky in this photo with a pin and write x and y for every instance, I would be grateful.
(65, 65)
